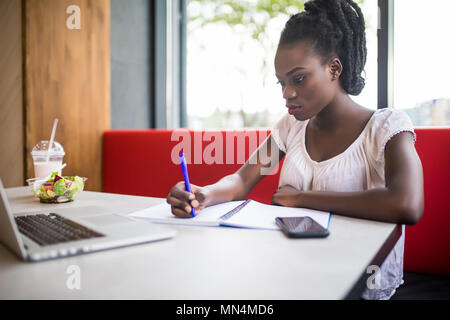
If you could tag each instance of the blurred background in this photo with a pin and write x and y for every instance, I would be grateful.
(198, 64)
(231, 46)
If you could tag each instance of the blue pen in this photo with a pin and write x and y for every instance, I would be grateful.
(329, 220)
(184, 171)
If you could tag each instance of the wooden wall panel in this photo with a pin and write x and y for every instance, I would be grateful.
(11, 91)
(67, 76)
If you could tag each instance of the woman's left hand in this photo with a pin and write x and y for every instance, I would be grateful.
(286, 196)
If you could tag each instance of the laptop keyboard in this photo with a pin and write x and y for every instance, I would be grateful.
(53, 229)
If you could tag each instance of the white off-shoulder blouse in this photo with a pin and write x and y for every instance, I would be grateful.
(360, 167)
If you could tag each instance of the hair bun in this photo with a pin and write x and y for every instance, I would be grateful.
(315, 7)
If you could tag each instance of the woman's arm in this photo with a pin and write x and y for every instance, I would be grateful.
(401, 201)
(232, 187)
(239, 184)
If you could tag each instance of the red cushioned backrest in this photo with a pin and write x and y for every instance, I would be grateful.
(427, 244)
(139, 162)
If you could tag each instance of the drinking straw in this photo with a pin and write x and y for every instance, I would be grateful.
(52, 138)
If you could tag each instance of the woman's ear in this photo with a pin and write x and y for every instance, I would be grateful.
(335, 67)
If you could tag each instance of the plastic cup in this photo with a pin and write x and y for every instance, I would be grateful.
(46, 162)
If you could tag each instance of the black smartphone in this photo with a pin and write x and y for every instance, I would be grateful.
(301, 227)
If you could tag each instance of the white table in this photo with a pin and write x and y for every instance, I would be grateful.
(206, 263)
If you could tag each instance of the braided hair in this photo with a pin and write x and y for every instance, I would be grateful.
(334, 28)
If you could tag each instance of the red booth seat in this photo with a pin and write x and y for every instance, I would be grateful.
(427, 244)
(140, 162)
(143, 162)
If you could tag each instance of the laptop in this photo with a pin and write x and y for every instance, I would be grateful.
(57, 233)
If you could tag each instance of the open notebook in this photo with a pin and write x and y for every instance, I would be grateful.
(241, 214)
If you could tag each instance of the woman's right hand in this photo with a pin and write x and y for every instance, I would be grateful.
(182, 201)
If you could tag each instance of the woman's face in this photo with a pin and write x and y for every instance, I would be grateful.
(306, 83)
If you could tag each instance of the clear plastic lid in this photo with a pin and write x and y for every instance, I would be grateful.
(41, 149)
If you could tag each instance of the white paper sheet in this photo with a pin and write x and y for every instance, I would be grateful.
(262, 216)
(254, 215)
(207, 217)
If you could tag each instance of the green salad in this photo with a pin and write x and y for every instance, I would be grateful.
(59, 189)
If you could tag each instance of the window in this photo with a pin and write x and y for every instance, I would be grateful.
(421, 66)
(231, 46)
